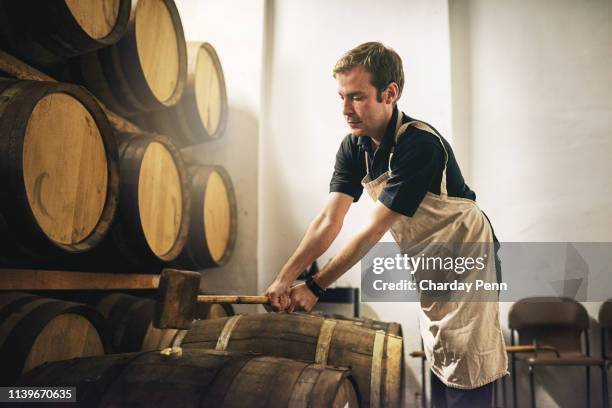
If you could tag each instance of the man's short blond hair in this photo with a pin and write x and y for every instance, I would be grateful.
(383, 64)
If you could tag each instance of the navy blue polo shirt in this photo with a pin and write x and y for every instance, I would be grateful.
(416, 167)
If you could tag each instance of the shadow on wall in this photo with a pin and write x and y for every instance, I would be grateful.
(236, 150)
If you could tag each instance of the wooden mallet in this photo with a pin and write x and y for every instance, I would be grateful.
(178, 298)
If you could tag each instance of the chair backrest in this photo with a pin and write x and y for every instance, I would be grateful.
(551, 321)
(605, 320)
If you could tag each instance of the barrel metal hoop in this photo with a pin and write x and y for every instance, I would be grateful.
(224, 337)
(324, 342)
(376, 372)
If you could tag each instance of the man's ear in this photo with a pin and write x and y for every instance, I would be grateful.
(392, 92)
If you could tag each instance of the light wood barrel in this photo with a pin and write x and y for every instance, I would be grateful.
(152, 222)
(199, 378)
(36, 330)
(375, 358)
(144, 71)
(129, 324)
(58, 167)
(213, 221)
(393, 328)
(47, 32)
(201, 114)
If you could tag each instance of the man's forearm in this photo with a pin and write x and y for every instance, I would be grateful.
(349, 255)
(318, 238)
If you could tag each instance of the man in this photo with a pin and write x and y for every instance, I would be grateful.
(411, 173)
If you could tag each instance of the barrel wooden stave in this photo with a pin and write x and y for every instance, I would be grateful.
(35, 330)
(127, 248)
(20, 100)
(393, 328)
(300, 337)
(198, 252)
(130, 79)
(198, 378)
(48, 32)
(191, 121)
(129, 323)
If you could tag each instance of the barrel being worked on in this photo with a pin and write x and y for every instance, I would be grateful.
(152, 221)
(58, 165)
(201, 114)
(35, 330)
(393, 328)
(213, 221)
(375, 358)
(145, 70)
(204, 378)
(47, 32)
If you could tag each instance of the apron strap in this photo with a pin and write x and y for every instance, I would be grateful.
(401, 128)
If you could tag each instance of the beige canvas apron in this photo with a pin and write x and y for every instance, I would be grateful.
(463, 340)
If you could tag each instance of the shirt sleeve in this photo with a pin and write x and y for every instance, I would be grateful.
(415, 166)
(348, 172)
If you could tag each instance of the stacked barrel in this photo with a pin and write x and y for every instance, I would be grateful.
(85, 193)
(82, 195)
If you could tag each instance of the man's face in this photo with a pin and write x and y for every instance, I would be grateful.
(362, 111)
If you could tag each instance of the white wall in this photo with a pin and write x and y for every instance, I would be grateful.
(235, 29)
(532, 107)
(302, 123)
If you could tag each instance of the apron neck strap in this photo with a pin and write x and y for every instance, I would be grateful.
(401, 128)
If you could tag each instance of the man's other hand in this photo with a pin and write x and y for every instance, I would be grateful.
(302, 298)
(278, 293)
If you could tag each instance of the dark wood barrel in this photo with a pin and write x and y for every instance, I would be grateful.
(375, 358)
(201, 114)
(213, 221)
(144, 71)
(199, 378)
(152, 221)
(59, 167)
(36, 330)
(208, 311)
(128, 322)
(393, 328)
(47, 32)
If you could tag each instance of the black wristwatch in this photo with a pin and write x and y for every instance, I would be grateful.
(314, 288)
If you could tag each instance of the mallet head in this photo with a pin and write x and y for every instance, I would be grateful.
(176, 299)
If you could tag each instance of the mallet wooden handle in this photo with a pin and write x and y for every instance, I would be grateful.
(237, 300)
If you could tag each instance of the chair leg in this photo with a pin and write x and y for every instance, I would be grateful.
(423, 384)
(588, 387)
(532, 386)
(504, 396)
(604, 385)
(513, 360)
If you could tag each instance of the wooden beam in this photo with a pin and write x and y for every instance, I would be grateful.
(30, 279)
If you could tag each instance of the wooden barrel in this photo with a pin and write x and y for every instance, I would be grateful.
(393, 328)
(128, 321)
(47, 32)
(36, 330)
(146, 69)
(375, 358)
(199, 378)
(208, 311)
(152, 221)
(201, 114)
(58, 167)
(213, 221)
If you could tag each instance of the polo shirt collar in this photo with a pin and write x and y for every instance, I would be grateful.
(388, 139)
